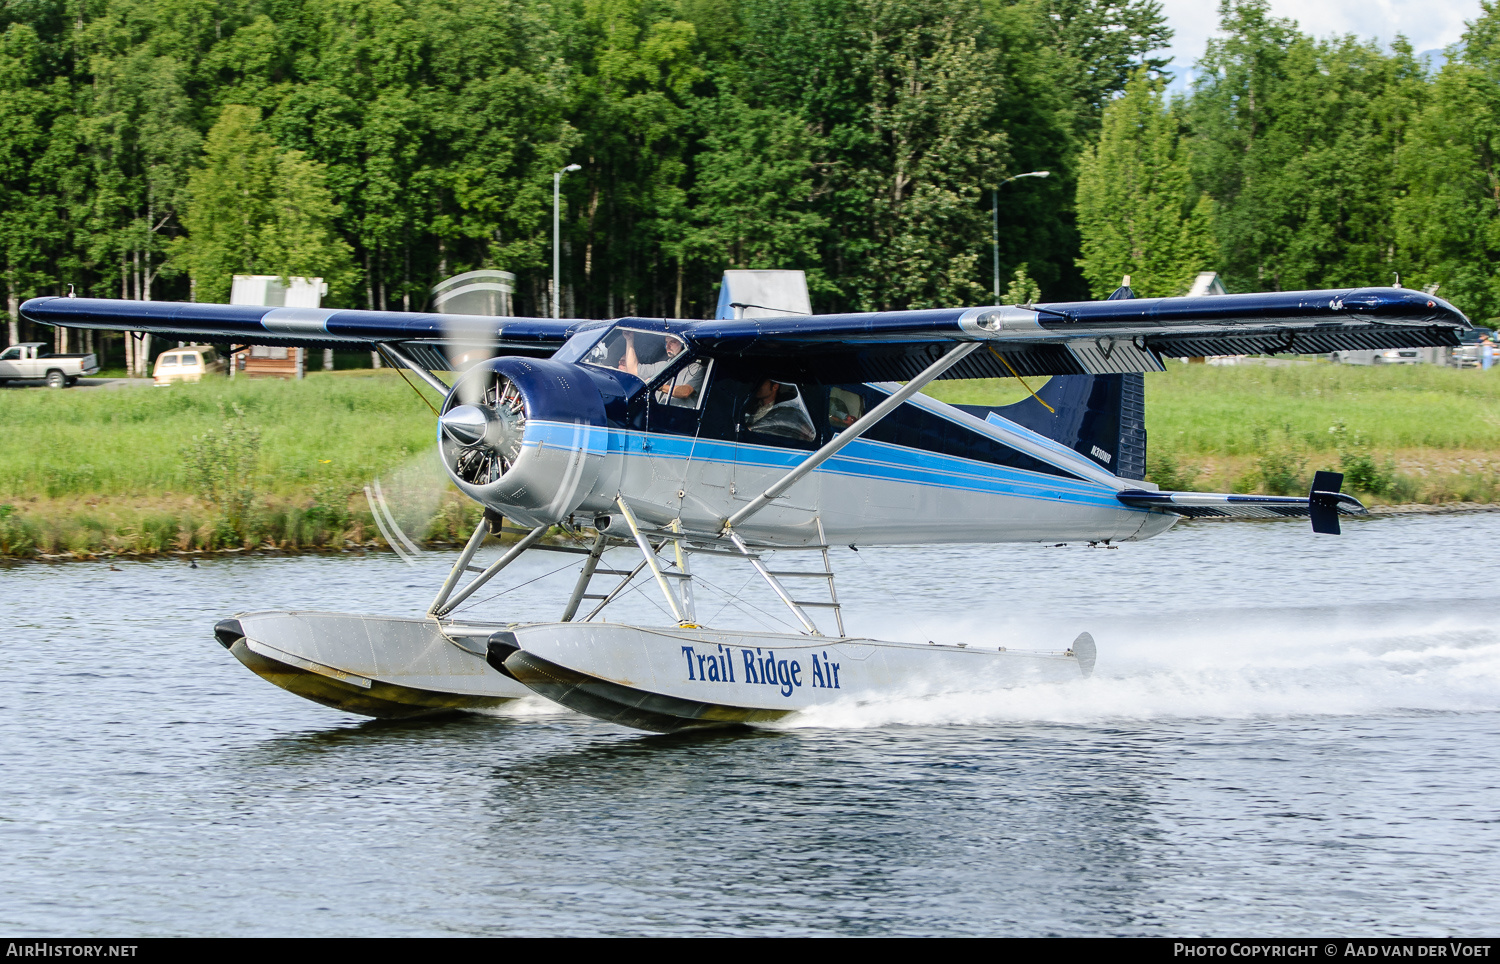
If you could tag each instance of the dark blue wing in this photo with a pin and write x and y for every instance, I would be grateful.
(1086, 337)
(315, 327)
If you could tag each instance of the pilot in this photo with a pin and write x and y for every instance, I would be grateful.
(683, 390)
(777, 409)
(632, 363)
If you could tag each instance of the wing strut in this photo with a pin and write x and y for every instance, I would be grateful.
(867, 421)
(400, 359)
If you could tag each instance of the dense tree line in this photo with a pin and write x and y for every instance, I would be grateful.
(152, 148)
(1303, 163)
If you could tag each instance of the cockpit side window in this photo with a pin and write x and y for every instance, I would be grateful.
(744, 403)
(776, 408)
(844, 408)
(682, 387)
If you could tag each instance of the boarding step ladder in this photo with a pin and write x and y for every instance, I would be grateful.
(773, 577)
(591, 569)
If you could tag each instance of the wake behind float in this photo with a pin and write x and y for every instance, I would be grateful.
(753, 435)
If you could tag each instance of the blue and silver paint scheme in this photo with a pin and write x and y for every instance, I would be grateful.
(588, 441)
(567, 435)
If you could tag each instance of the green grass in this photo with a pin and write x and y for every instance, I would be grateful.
(335, 427)
(89, 471)
(1202, 409)
(99, 470)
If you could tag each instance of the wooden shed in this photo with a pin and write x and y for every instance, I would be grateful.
(270, 361)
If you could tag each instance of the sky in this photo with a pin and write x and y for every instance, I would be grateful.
(1428, 24)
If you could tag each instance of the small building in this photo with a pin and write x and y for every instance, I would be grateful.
(1209, 283)
(275, 361)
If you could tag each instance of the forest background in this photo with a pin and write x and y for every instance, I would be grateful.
(152, 148)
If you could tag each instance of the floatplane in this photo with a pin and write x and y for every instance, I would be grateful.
(753, 434)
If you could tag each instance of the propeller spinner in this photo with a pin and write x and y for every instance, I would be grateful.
(525, 437)
(486, 434)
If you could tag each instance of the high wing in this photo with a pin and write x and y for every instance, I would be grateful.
(312, 327)
(1085, 337)
(1070, 338)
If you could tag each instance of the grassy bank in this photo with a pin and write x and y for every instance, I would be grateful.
(248, 464)
(220, 465)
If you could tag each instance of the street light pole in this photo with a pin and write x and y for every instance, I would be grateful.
(995, 222)
(556, 206)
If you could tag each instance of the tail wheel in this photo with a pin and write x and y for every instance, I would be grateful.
(55, 379)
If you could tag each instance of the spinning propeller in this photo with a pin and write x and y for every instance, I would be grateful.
(483, 423)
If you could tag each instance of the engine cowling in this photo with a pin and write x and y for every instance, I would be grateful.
(525, 437)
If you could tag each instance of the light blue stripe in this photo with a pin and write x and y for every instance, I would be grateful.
(862, 458)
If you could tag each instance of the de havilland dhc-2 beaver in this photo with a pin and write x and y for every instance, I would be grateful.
(740, 436)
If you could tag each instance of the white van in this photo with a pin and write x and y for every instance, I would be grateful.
(188, 364)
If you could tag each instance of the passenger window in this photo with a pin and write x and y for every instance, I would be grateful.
(844, 408)
(169, 361)
(776, 408)
(684, 387)
(11, 354)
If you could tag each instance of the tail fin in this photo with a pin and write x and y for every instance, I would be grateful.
(1102, 417)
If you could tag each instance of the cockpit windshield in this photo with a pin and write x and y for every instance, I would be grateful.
(648, 355)
(644, 354)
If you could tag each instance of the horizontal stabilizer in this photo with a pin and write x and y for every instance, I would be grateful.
(1323, 504)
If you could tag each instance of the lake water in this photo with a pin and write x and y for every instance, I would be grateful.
(1287, 734)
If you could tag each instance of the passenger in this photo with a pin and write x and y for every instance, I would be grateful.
(839, 416)
(777, 409)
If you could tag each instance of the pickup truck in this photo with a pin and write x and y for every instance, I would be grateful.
(30, 360)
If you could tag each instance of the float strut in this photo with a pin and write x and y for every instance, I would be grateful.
(584, 578)
(650, 555)
(480, 531)
(776, 587)
(527, 541)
